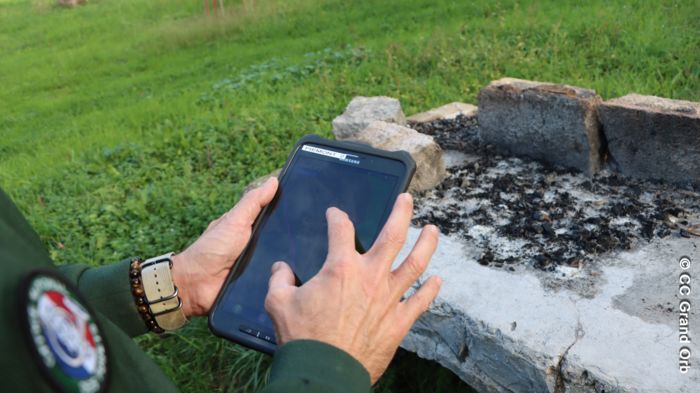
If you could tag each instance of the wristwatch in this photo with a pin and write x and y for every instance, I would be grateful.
(161, 293)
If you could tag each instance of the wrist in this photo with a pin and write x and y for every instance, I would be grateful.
(186, 286)
(156, 295)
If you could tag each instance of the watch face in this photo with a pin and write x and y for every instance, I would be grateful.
(63, 334)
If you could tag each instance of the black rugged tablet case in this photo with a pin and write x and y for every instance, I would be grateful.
(402, 156)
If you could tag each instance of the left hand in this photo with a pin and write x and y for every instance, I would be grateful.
(200, 270)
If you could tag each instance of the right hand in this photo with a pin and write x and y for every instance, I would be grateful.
(355, 301)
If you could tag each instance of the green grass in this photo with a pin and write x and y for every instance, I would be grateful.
(125, 126)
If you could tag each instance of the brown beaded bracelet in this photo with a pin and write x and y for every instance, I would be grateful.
(140, 296)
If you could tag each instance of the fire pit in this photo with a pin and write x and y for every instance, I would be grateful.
(554, 280)
(568, 224)
(525, 215)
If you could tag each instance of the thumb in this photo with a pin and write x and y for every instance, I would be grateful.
(282, 276)
(248, 208)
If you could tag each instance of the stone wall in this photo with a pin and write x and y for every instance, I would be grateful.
(642, 137)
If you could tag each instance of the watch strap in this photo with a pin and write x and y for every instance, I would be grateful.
(161, 293)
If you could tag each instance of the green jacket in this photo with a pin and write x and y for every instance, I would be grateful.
(299, 366)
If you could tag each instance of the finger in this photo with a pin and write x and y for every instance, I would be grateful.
(393, 235)
(341, 235)
(247, 209)
(228, 213)
(412, 308)
(416, 262)
(282, 276)
(279, 287)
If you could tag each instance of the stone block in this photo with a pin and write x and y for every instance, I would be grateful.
(653, 138)
(430, 165)
(363, 110)
(445, 112)
(553, 123)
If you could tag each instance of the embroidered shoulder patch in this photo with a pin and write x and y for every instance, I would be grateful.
(63, 334)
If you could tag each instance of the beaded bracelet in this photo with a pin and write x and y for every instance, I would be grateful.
(140, 296)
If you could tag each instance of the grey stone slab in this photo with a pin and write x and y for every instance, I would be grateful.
(653, 138)
(363, 110)
(548, 122)
(430, 165)
(517, 325)
(504, 331)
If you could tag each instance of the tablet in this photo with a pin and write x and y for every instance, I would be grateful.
(360, 180)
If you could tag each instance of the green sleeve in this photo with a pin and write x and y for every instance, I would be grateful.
(313, 366)
(107, 289)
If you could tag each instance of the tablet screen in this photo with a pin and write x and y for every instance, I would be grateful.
(295, 228)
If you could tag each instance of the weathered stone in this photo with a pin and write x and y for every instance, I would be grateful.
(261, 180)
(502, 331)
(430, 166)
(363, 110)
(448, 112)
(653, 138)
(548, 122)
(611, 325)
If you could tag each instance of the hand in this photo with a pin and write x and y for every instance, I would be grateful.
(200, 270)
(354, 302)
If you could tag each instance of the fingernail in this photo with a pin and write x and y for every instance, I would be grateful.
(276, 266)
(439, 280)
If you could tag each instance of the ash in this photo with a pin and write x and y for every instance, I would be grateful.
(460, 133)
(526, 215)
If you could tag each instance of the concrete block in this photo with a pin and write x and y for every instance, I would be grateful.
(611, 323)
(363, 110)
(430, 166)
(506, 332)
(548, 122)
(653, 138)
(449, 111)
